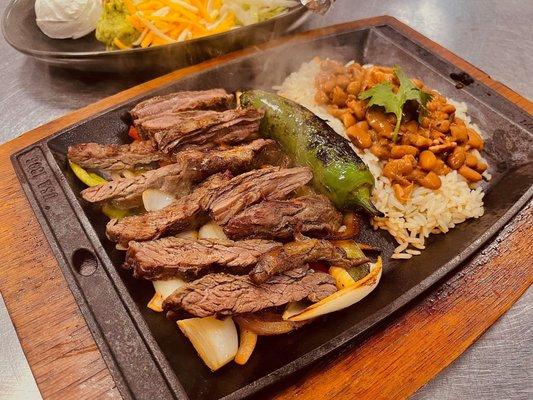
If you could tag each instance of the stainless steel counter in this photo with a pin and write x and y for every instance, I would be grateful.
(496, 36)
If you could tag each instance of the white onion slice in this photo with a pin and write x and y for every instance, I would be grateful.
(154, 199)
(167, 287)
(216, 341)
(187, 235)
(211, 230)
(343, 298)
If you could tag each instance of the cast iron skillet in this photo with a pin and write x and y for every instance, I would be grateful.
(146, 353)
(21, 32)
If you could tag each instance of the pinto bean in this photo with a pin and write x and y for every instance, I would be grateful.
(459, 133)
(441, 168)
(457, 158)
(358, 108)
(380, 151)
(354, 87)
(427, 160)
(338, 96)
(448, 109)
(443, 125)
(359, 135)
(398, 151)
(481, 167)
(348, 119)
(400, 167)
(469, 174)
(475, 140)
(441, 148)
(402, 193)
(342, 81)
(430, 181)
(418, 140)
(471, 160)
(378, 121)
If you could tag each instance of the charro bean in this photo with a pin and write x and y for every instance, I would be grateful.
(457, 158)
(469, 174)
(398, 151)
(359, 135)
(474, 140)
(354, 87)
(358, 108)
(471, 160)
(481, 167)
(430, 181)
(348, 119)
(459, 133)
(427, 160)
(338, 96)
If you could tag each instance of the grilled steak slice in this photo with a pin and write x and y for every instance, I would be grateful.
(177, 179)
(170, 257)
(219, 195)
(281, 219)
(201, 128)
(299, 253)
(244, 190)
(187, 212)
(204, 99)
(112, 157)
(224, 294)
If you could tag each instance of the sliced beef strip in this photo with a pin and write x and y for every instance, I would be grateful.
(298, 253)
(171, 256)
(282, 219)
(222, 197)
(263, 184)
(223, 294)
(201, 128)
(187, 212)
(188, 100)
(177, 179)
(113, 157)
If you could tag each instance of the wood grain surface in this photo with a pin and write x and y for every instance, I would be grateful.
(392, 363)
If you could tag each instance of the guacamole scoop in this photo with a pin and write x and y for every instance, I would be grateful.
(114, 24)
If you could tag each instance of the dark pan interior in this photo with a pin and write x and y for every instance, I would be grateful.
(507, 128)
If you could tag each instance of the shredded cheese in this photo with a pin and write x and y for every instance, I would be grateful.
(168, 21)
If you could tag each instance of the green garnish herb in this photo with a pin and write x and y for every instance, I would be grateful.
(383, 95)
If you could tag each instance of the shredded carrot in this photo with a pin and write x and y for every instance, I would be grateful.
(117, 42)
(169, 21)
(147, 39)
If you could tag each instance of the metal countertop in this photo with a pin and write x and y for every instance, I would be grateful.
(495, 36)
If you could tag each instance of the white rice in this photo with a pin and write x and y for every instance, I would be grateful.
(427, 211)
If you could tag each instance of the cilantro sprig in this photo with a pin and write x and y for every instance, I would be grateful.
(384, 96)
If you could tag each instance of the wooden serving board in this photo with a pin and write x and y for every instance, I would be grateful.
(392, 363)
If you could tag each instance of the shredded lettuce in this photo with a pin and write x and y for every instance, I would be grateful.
(249, 12)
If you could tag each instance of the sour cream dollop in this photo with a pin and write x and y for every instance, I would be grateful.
(63, 19)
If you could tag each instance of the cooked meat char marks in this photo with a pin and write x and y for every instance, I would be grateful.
(264, 184)
(187, 212)
(281, 219)
(223, 294)
(201, 128)
(114, 157)
(299, 253)
(170, 257)
(223, 198)
(192, 166)
(179, 101)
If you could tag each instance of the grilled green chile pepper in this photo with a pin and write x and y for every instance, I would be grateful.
(337, 170)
